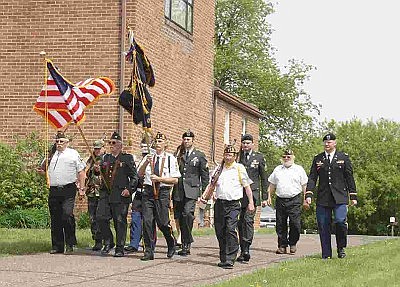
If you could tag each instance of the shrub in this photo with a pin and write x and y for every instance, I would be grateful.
(25, 218)
(20, 185)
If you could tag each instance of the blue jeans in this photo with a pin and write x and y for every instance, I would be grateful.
(136, 229)
(324, 219)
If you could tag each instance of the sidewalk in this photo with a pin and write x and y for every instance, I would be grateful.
(89, 269)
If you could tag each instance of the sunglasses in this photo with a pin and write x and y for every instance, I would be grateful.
(112, 142)
(286, 156)
(61, 141)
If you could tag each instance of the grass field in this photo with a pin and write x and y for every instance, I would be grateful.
(376, 264)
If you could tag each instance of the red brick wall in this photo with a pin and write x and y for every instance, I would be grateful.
(83, 39)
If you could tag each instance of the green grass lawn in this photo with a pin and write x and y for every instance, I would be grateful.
(375, 264)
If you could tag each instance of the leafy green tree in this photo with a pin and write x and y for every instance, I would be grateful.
(245, 66)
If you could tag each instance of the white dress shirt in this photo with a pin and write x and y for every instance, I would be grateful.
(169, 170)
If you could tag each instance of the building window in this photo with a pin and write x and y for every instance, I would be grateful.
(244, 126)
(227, 127)
(180, 12)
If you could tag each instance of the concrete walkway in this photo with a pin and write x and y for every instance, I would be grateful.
(86, 268)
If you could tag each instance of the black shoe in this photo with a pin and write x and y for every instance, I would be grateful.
(240, 258)
(171, 251)
(107, 248)
(69, 250)
(130, 249)
(246, 256)
(184, 250)
(227, 265)
(119, 253)
(341, 253)
(147, 257)
(221, 264)
(56, 251)
(97, 246)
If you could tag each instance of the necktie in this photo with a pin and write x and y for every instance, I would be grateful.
(246, 156)
(157, 167)
(186, 155)
(329, 158)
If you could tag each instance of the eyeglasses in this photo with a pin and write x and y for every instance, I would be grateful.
(61, 141)
(112, 142)
(286, 156)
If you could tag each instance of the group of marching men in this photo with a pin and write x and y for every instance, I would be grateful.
(112, 181)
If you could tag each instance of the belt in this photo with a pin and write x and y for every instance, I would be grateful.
(62, 186)
(161, 187)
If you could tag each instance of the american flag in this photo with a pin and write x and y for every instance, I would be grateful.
(66, 102)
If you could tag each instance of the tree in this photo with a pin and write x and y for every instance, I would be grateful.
(245, 66)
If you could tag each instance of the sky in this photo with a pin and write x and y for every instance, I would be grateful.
(355, 46)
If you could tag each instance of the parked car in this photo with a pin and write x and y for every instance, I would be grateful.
(267, 217)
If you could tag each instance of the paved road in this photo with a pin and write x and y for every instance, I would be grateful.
(86, 268)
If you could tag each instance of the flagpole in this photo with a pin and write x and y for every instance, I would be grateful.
(46, 113)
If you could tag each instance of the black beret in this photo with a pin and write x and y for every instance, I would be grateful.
(329, 137)
(247, 137)
(229, 149)
(188, 134)
(116, 136)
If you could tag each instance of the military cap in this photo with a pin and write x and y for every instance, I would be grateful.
(288, 152)
(61, 135)
(247, 137)
(229, 149)
(160, 136)
(98, 144)
(188, 134)
(116, 136)
(329, 137)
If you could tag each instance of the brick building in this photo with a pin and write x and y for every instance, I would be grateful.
(87, 38)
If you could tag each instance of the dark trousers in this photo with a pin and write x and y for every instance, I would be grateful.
(156, 211)
(118, 212)
(92, 210)
(324, 220)
(288, 208)
(62, 219)
(245, 228)
(185, 210)
(225, 222)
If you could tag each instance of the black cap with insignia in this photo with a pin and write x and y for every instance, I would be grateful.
(188, 134)
(288, 152)
(229, 149)
(329, 137)
(116, 136)
(160, 136)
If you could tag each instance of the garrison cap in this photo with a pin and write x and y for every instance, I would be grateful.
(247, 137)
(329, 137)
(116, 136)
(229, 149)
(288, 152)
(188, 134)
(61, 135)
(160, 136)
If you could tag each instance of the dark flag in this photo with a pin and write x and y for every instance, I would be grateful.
(136, 99)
